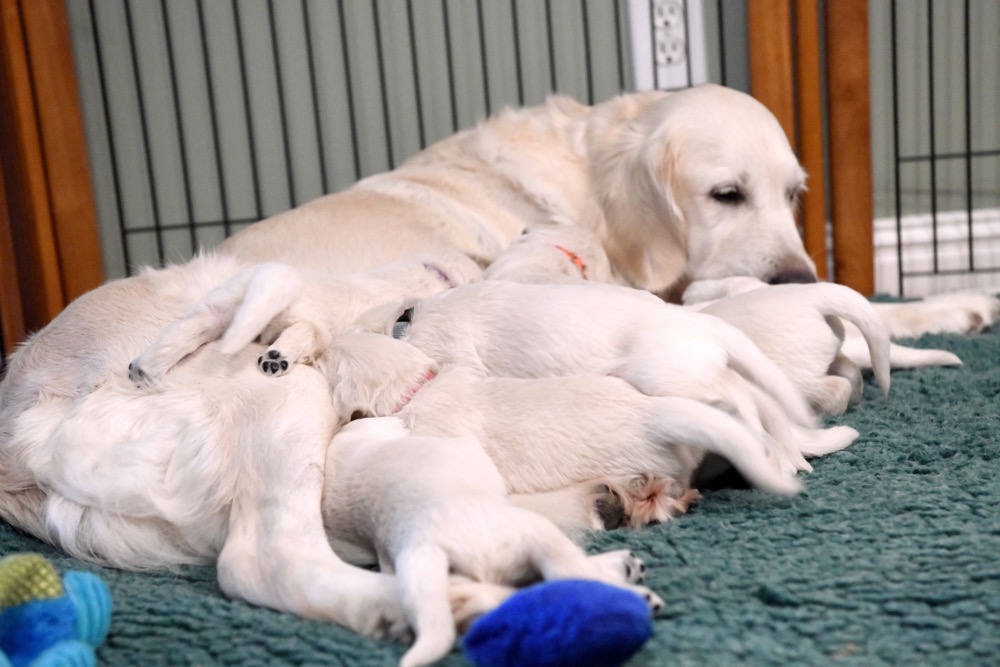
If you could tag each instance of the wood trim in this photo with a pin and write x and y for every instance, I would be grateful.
(785, 77)
(74, 212)
(11, 313)
(769, 35)
(809, 139)
(849, 122)
(52, 215)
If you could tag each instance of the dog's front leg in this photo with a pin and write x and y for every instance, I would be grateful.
(276, 553)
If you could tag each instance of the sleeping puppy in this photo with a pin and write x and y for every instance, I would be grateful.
(553, 253)
(801, 328)
(819, 334)
(424, 508)
(548, 432)
(212, 464)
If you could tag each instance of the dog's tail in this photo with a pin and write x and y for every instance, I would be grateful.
(422, 581)
(748, 360)
(685, 421)
(843, 302)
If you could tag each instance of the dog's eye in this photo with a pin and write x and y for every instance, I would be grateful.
(793, 194)
(729, 195)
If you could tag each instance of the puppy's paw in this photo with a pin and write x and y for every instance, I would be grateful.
(959, 313)
(273, 363)
(138, 375)
(620, 566)
(653, 601)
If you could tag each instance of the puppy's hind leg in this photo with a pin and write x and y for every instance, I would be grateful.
(422, 582)
(555, 556)
(301, 342)
(276, 553)
(203, 323)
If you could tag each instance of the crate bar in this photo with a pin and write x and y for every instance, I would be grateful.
(248, 114)
(144, 130)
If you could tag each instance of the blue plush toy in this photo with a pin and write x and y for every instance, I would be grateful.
(568, 623)
(45, 622)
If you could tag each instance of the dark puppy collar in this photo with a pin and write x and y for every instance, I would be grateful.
(400, 327)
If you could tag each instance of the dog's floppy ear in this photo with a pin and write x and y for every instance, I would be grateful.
(634, 154)
(382, 318)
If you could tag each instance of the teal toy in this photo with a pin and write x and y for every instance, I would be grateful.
(46, 621)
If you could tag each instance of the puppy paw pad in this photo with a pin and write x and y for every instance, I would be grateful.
(273, 363)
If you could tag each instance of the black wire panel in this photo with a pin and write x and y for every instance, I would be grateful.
(945, 138)
(207, 115)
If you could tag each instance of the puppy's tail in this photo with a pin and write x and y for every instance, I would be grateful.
(422, 581)
(748, 360)
(688, 422)
(843, 302)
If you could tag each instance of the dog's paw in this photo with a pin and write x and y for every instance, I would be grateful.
(273, 363)
(138, 374)
(958, 313)
(653, 601)
(620, 566)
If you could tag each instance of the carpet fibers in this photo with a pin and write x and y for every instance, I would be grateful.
(890, 557)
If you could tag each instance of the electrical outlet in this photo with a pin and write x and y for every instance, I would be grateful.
(669, 41)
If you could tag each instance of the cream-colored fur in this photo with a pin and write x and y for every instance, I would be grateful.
(690, 185)
(427, 507)
(197, 465)
(820, 334)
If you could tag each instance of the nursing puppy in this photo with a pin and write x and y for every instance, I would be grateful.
(800, 328)
(820, 335)
(425, 508)
(213, 463)
(548, 432)
(553, 253)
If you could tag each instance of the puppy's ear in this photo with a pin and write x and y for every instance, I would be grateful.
(381, 318)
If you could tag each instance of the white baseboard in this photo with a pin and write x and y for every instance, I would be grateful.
(952, 252)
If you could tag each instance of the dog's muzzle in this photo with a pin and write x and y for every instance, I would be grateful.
(787, 276)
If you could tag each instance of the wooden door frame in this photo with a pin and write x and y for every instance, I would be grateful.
(47, 210)
(786, 51)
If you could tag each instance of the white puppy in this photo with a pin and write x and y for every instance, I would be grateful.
(800, 328)
(425, 507)
(806, 328)
(553, 253)
(543, 433)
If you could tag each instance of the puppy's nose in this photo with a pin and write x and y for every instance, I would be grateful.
(785, 276)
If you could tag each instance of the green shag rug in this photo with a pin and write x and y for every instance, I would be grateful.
(891, 556)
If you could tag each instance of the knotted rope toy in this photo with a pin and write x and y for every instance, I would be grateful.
(46, 621)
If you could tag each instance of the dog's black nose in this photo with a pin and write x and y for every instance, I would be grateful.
(792, 276)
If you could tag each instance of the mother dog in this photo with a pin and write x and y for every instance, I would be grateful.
(224, 464)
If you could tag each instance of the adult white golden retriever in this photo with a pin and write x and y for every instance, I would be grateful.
(216, 462)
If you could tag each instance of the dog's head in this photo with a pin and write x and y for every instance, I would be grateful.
(701, 184)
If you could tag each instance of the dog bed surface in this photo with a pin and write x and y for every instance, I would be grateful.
(890, 557)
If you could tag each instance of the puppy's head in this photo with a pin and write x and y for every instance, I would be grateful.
(552, 252)
(374, 375)
(712, 186)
